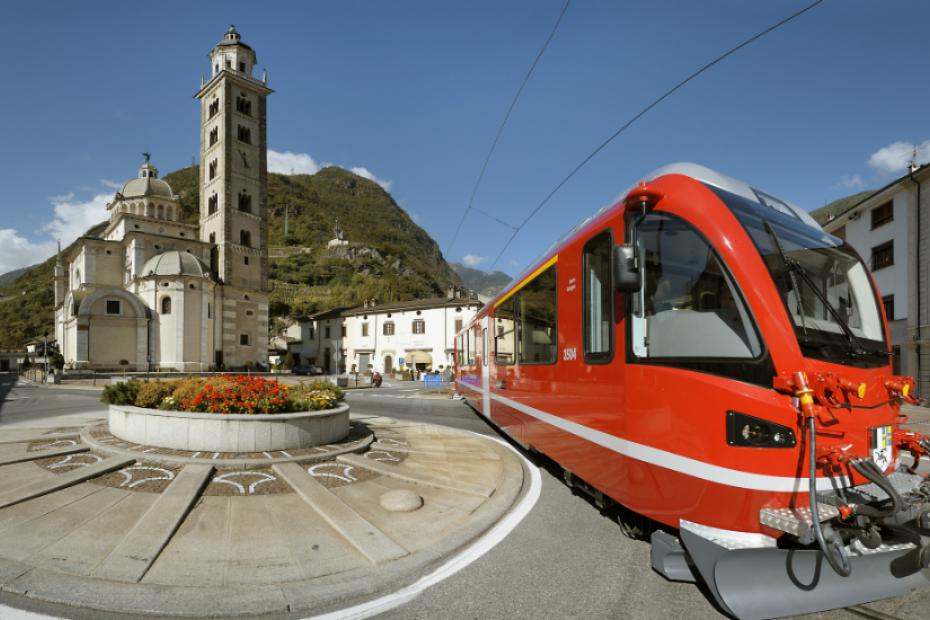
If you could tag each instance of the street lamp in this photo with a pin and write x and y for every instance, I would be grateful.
(45, 353)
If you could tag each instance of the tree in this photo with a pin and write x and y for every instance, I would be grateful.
(289, 361)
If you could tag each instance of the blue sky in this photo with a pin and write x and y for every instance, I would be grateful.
(411, 93)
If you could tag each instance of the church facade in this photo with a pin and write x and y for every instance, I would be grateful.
(152, 292)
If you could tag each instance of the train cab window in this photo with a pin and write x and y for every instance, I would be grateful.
(537, 319)
(688, 306)
(504, 332)
(598, 299)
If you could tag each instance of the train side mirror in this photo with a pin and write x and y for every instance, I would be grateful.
(627, 276)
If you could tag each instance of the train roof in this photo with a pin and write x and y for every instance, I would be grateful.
(695, 171)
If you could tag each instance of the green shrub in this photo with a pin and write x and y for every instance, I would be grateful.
(152, 393)
(316, 395)
(122, 393)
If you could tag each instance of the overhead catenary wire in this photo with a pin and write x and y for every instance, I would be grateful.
(500, 130)
(642, 113)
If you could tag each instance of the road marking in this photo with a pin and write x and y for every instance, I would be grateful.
(450, 567)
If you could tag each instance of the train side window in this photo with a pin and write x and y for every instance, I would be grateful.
(598, 299)
(537, 319)
(688, 306)
(484, 346)
(504, 332)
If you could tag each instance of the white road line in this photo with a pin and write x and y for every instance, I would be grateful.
(473, 552)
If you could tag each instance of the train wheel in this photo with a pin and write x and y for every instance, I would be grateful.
(632, 524)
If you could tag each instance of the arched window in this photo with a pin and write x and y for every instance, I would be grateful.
(214, 135)
(212, 204)
(245, 202)
(160, 211)
(215, 105)
(213, 165)
(245, 238)
(166, 305)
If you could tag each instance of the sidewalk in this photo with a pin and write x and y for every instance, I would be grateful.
(919, 417)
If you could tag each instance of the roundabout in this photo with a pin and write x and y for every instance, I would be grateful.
(92, 520)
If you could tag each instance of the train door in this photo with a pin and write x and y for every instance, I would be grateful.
(485, 369)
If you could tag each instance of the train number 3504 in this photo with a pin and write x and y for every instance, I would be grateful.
(569, 354)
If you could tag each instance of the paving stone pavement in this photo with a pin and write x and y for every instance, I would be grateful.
(124, 532)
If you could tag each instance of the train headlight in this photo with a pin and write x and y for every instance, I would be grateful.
(748, 431)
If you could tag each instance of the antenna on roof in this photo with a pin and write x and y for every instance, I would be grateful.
(913, 166)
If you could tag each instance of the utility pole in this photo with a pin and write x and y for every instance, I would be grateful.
(45, 354)
(287, 208)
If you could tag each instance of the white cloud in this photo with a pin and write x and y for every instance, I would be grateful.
(73, 218)
(17, 251)
(473, 260)
(367, 174)
(291, 163)
(850, 182)
(302, 163)
(894, 158)
(110, 184)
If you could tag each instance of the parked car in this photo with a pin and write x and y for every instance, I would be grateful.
(307, 370)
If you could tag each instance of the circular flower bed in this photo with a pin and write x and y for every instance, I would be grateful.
(224, 394)
(227, 413)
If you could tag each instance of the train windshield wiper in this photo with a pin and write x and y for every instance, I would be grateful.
(795, 269)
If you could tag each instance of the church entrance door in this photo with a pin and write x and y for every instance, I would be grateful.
(388, 364)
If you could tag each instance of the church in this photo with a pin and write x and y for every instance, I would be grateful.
(154, 293)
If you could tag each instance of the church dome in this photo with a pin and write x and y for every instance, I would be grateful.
(175, 263)
(146, 184)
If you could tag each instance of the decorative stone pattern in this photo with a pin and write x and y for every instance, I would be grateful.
(210, 432)
(400, 500)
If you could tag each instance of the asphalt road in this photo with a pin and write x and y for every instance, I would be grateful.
(564, 560)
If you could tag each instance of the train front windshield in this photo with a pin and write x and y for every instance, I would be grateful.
(823, 283)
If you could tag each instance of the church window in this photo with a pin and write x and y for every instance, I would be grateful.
(245, 202)
(389, 328)
(212, 237)
(74, 308)
(212, 204)
(214, 107)
(160, 212)
(192, 287)
(245, 238)
(166, 305)
(342, 331)
(228, 64)
(165, 284)
(245, 260)
(209, 310)
(243, 105)
(242, 67)
(109, 252)
(113, 306)
(244, 340)
(182, 234)
(213, 165)
(244, 134)
(246, 297)
(214, 135)
(157, 247)
(249, 313)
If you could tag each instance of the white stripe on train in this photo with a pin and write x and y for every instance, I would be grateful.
(670, 460)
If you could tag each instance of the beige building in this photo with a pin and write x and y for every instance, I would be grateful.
(154, 292)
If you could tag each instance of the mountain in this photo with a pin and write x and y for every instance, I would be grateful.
(10, 276)
(487, 283)
(388, 257)
(827, 212)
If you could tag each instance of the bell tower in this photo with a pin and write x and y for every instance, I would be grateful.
(233, 195)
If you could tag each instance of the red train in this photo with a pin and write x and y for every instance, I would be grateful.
(700, 354)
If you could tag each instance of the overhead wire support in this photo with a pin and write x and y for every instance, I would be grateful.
(642, 113)
(497, 137)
